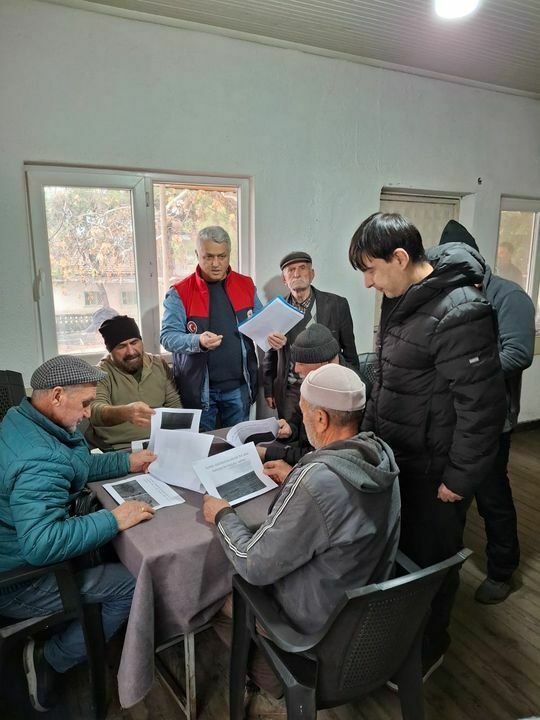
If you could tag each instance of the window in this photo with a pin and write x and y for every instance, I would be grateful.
(518, 248)
(429, 214)
(92, 298)
(128, 297)
(108, 243)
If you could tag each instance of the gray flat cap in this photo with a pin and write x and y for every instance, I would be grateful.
(64, 370)
(295, 257)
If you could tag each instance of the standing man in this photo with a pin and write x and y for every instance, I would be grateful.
(439, 399)
(215, 366)
(515, 320)
(281, 382)
(44, 465)
(135, 382)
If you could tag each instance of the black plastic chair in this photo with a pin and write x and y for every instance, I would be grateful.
(369, 363)
(15, 630)
(12, 390)
(373, 636)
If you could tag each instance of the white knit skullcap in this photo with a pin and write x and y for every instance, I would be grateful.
(334, 387)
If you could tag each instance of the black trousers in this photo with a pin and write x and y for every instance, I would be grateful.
(496, 507)
(432, 531)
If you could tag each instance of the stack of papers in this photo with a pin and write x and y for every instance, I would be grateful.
(255, 431)
(235, 475)
(277, 316)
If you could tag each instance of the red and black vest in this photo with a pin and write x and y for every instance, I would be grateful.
(190, 369)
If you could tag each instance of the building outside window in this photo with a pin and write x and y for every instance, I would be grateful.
(108, 243)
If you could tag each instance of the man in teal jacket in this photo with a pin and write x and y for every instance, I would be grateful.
(44, 465)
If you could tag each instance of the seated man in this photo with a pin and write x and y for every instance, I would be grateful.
(314, 347)
(135, 382)
(44, 464)
(333, 526)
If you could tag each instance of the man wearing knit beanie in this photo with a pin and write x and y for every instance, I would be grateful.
(314, 347)
(135, 382)
(516, 328)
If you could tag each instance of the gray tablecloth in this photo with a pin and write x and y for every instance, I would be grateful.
(182, 577)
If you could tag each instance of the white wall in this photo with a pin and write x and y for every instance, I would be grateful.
(320, 137)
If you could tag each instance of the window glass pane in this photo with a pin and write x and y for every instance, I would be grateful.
(92, 256)
(514, 248)
(180, 212)
(429, 215)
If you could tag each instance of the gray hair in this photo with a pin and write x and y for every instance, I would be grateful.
(216, 234)
(345, 418)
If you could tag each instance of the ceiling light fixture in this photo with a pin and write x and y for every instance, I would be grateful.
(450, 9)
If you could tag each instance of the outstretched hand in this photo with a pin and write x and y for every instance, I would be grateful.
(140, 460)
(278, 470)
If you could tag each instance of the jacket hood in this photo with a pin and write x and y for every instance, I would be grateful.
(365, 461)
(456, 232)
(455, 264)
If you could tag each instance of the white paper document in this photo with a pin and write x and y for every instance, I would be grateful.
(173, 420)
(277, 316)
(255, 431)
(138, 445)
(176, 452)
(143, 488)
(235, 475)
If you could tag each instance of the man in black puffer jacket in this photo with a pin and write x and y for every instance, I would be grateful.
(439, 399)
(515, 319)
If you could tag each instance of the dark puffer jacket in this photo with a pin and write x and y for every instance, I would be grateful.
(439, 400)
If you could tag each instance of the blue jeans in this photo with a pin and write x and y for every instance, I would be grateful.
(233, 406)
(111, 584)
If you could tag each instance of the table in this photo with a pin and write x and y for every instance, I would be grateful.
(182, 577)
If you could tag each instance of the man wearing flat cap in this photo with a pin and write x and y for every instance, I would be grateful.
(135, 382)
(334, 524)
(44, 465)
(281, 382)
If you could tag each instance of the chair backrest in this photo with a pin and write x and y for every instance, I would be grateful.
(369, 363)
(12, 390)
(374, 631)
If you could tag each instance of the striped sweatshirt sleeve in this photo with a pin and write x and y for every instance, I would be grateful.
(290, 536)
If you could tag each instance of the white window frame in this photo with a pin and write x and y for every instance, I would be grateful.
(140, 184)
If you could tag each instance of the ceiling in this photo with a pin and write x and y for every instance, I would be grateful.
(499, 45)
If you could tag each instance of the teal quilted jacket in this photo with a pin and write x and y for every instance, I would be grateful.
(42, 469)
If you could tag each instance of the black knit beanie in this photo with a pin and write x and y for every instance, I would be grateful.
(315, 344)
(117, 329)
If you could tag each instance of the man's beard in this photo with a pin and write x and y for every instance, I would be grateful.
(131, 367)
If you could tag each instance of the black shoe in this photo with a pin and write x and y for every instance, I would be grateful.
(491, 592)
(41, 678)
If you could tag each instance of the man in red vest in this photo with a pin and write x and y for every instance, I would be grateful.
(215, 366)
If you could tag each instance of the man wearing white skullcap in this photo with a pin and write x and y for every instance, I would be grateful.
(335, 523)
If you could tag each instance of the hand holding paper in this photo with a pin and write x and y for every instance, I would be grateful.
(211, 507)
(275, 319)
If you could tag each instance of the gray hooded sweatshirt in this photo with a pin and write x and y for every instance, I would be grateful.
(334, 526)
